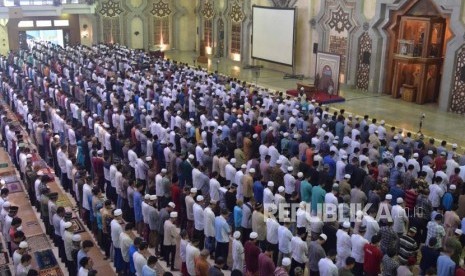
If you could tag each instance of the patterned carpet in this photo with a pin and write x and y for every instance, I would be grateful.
(38, 243)
(10, 178)
(63, 200)
(45, 259)
(14, 187)
(54, 271)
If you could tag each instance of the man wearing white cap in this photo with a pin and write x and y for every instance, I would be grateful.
(199, 221)
(268, 197)
(116, 230)
(171, 236)
(22, 249)
(68, 244)
(416, 166)
(344, 244)
(247, 184)
(237, 252)
(209, 226)
(230, 171)
(289, 183)
(399, 216)
(190, 200)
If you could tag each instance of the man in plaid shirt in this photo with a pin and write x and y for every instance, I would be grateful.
(389, 237)
(435, 229)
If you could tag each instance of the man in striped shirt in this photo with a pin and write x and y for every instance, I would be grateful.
(408, 247)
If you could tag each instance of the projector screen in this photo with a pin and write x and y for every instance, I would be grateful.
(273, 32)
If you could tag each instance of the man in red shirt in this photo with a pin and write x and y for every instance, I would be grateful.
(373, 257)
(265, 263)
(252, 251)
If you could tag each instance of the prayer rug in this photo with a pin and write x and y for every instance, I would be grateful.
(45, 259)
(54, 271)
(14, 187)
(10, 178)
(63, 200)
(78, 227)
(38, 243)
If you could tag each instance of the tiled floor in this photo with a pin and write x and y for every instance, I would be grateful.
(438, 124)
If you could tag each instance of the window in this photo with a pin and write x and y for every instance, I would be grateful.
(161, 28)
(43, 23)
(236, 38)
(111, 30)
(208, 33)
(26, 24)
(61, 23)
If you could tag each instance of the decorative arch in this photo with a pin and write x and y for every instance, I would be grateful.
(458, 90)
(161, 12)
(336, 24)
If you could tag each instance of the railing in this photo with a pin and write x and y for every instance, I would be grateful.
(12, 3)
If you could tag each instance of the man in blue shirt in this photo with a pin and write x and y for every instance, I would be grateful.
(222, 231)
(86, 247)
(258, 191)
(132, 250)
(138, 218)
(329, 160)
(446, 267)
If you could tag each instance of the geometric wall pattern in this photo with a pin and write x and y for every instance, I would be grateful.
(161, 9)
(340, 21)
(364, 56)
(338, 45)
(458, 92)
(208, 10)
(110, 9)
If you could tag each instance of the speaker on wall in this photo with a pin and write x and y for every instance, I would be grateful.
(315, 48)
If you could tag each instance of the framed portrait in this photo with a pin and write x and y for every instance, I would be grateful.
(328, 67)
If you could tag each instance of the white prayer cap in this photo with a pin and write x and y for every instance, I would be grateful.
(99, 152)
(252, 170)
(270, 184)
(401, 151)
(193, 190)
(233, 160)
(396, 137)
(2, 182)
(347, 176)
(454, 146)
(163, 171)
(285, 134)
(281, 189)
(23, 245)
(56, 136)
(253, 235)
(286, 261)
(200, 198)
(68, 225)
(206, 149)
(148, 158)
(458, 232)
(172, 205)
(323, 237)
(29, 156)
(430, 152)
(382, 122)
(77, 238)
(453, 187)
(344, 157)
(400, 200)
(118, 212)
(255, 136)
(388, 197)
(300, 174)
(290, 169)
(237, 235)
(346, 224)
(279, 161)
(153, 197)
(415, 155)
(173, 214)
(147, 196)
(243, 166)
(191, 156)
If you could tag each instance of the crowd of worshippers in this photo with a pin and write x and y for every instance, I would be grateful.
(148, 146)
